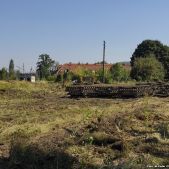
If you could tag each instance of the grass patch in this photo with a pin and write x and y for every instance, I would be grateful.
(94, 132)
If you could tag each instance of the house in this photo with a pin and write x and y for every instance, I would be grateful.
(72, 67)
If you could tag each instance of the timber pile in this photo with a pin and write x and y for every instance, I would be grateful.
(135, 91)
(109, 91)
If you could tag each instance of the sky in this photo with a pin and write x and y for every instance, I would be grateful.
(74, 30)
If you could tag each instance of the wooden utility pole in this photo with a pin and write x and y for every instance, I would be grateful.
(104, 47)
(23, 69)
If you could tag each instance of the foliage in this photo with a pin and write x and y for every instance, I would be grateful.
(79, 75)
(45, 66)
(107, 74)
(3, 74)
(76, 77)
(147, 69)
(153, 48)
(119, 73)
(59, 78)
(51, 78)
(82, 72)
(11, 70)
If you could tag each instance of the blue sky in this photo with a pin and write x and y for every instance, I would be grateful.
(74, 30)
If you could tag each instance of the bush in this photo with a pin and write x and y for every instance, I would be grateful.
(59, 78)
(51, 78)
(3, 74)
(77, 77)
(119, 73)
(147, 69)
(108, 76)
(154, 48)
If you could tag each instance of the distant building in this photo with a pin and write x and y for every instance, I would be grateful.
(72, 67)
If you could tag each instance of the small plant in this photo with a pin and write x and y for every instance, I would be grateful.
(90, 140)
(87, 115)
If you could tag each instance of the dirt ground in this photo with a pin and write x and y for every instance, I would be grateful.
(42, 128)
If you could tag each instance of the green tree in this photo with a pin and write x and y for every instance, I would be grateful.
(147, 69)
(155, 49)
(119, 73)
(3, 74)
(45, 66)
(11, 70)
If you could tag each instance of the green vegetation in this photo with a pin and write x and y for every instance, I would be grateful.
(3, 74)
(41, 128)
(147, 69)
(45, 66)
(119, 73)
(154, 49)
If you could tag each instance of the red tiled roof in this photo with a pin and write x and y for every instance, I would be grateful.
(93, 67)
(73, 67)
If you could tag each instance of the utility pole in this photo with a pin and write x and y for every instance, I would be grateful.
(104, 47)
(23, 69)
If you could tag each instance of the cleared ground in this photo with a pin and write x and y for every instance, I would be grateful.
(42, 128)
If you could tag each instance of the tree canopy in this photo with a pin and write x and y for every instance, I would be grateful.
(147, 69)
(155, 49)
(45, 66)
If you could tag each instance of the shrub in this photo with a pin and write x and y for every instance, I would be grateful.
(51, 78)
(108, 76)
(119, 73)
(147, 69)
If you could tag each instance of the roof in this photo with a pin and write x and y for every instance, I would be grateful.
(93, 67)
(72, 67)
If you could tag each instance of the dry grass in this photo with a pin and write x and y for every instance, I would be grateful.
(94, 132)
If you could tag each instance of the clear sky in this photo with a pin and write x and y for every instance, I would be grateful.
(74, 30)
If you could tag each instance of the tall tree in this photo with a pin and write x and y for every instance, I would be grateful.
(154, 49)
(44, 66)
(11, 70)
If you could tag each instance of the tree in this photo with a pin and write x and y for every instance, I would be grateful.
(11, 70)
(3, 74)
(147, 69)
(119, 73)
(45, 66)
(154, 49)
